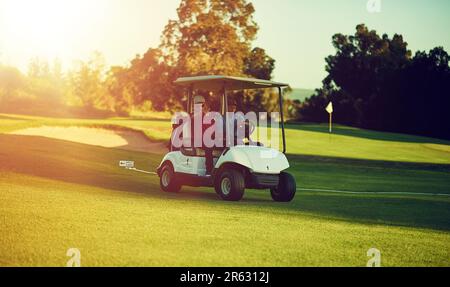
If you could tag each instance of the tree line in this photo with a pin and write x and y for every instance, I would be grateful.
(373, 81)
(376, 83)
(208, 37)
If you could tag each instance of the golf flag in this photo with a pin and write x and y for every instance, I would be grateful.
(330, 111)
(330, 108)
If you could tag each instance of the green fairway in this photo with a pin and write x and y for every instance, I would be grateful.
(304, 139)
(56, 195)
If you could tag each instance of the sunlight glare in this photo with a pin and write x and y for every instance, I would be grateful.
(48, 28)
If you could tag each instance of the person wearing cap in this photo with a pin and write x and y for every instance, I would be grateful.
(199, 100)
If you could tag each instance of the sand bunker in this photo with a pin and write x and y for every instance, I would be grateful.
(124, 139)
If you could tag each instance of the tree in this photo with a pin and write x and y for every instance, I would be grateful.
(86, 82)
(210, 37)
(153, 80)
(375, 83)
(46, 83)
(361, 64)
(214, 37)
(120, 90)
(425, 94)
(259, 65)
(12, 83)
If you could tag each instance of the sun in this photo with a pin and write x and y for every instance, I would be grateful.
(46, 27)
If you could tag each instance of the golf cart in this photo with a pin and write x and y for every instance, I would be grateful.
(236, 167)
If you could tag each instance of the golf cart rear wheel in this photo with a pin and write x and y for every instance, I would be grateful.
(167, 179)
(285, 191)
(230, 185)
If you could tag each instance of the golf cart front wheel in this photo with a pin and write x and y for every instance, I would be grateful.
(167, 179)
(285, 191)
(230, 185)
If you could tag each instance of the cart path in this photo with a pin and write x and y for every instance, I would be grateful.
(371, 192)
(123, 139)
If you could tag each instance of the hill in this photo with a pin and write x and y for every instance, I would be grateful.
(300, 94)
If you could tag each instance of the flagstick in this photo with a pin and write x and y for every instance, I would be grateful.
(331, 120)
(329, 135)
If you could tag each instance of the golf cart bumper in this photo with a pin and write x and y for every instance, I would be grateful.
(261, 180)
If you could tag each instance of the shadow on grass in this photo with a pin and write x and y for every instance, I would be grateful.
(376, 164)
(96, 166)
(366, 134)
(409, 211)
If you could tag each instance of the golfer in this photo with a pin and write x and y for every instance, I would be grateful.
(234, 122)
(200, 110)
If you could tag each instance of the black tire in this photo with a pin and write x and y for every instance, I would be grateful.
(285, 191)
(167, 179)
(230, 185)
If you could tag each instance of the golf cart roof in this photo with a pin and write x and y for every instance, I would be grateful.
(215, 83)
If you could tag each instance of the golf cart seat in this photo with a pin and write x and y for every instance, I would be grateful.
(200, 152)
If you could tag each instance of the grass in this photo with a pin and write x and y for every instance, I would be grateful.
(304, 139)
(355, 143)
(55, 195)
(156, 129)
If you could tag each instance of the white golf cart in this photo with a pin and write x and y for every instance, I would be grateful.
(237, 167)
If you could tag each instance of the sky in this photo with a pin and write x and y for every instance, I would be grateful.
(296, 33)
